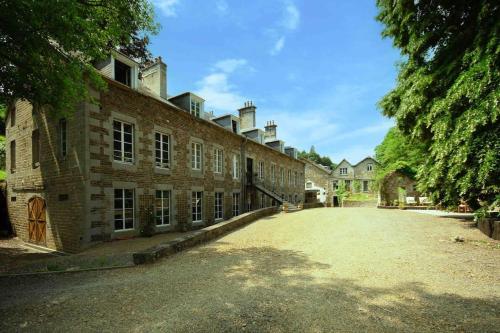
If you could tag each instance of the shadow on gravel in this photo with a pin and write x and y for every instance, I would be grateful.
(219, 288)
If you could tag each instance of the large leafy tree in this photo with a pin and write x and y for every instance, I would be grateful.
(398, 153)
(47, 47)
(447, 94)
(312, 155)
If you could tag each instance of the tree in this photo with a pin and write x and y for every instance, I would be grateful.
(341, 193)
(398, 153)
(47, 47)
(447, 94)
(312, 155)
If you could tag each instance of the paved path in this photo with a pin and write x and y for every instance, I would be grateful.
(318, 270)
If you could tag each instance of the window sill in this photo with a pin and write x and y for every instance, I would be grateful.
(124, 230)
(163, 171)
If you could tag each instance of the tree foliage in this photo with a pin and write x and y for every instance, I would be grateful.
(397, 153)
(312, 155)
(447, 94)
(47, 47)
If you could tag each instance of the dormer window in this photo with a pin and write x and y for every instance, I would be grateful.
(369, 167)
(343, 171)
(123, 73)
(234, 126)
(195, 108)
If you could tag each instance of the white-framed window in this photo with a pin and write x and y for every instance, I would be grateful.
(282, 176)
(123, 142)
(219, 205)
(124, 209)
(236, 204)
(343, 171)
(236, 167)
(273, 173)
(218, 160)
(63, 137)
(261, 170)
(195, 108)
(162, 150)
(369, 167)
(162, 207)
(289, 177)
(196, 206)
(309, 185)
(196, 150)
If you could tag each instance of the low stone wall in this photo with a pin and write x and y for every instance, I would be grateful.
(353, 203)
(203, 235)
(313, 205)
(490, 227)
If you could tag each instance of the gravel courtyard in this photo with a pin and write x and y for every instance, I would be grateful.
(318, 270)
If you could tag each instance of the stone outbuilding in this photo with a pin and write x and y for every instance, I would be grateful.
(397, 187)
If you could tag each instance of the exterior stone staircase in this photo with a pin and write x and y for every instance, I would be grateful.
(287, 206)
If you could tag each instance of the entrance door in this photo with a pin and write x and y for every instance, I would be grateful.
(335, 201)
(249, 170)
(37, 223)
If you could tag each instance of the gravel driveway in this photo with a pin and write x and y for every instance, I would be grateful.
(318, 270)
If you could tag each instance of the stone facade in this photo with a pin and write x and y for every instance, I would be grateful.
(324, 181)
(318, 182)
(79, 187)
(360, 175)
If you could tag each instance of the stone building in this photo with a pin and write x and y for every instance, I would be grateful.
(356, 178)
(138, 160)
(396, 187)
(318, 182)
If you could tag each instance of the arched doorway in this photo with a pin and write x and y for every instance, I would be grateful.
(37, 222)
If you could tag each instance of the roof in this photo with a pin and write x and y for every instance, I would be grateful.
(185, 94)
(319, 166)
(355, 165)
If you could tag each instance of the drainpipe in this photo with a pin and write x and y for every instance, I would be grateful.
(243, 175)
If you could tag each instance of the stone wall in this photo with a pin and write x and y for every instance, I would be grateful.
(59, 180)
(490, 227)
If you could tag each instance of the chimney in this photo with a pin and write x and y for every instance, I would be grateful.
(154, 78)
(270, 130)
(247, 115)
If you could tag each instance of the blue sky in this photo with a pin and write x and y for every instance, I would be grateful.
(317, 68)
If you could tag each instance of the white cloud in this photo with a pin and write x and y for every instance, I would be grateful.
(221, 6)
(289, 22)
(278, 46)
(166, 6)
(216, 88)
(291, 17)
(229, 65)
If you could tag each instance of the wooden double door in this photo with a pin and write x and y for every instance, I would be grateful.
(37, 221)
